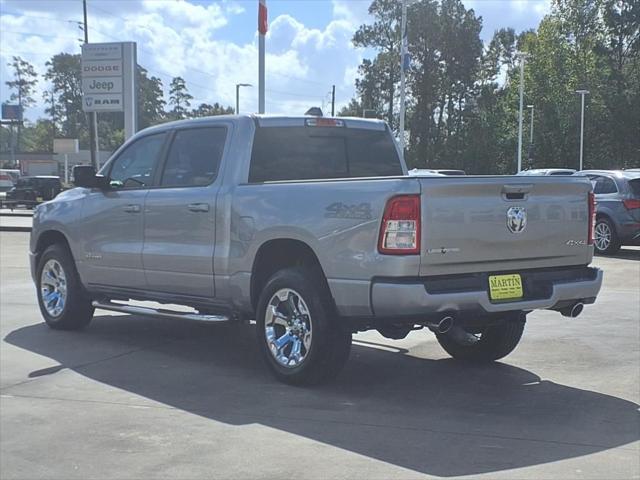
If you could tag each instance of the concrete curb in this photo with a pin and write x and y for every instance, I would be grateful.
(5, 228)
(16, 214)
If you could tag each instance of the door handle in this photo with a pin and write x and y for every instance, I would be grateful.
(198, 207)
(517, 188)
(132, 208)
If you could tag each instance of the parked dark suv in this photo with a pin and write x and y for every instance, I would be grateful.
(618, 208)
(33, 190)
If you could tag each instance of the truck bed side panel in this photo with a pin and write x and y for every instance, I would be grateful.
(339, 220)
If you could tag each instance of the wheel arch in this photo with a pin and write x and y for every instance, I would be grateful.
(48, 238)
(609, 218)
(276, 254)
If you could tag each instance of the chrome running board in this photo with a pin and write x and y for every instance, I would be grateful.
(158, 312)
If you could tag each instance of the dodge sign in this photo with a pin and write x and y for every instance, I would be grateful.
(108, 80)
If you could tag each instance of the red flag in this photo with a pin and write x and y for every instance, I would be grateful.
(262, 17)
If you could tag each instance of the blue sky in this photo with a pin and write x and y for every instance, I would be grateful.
(213, 44)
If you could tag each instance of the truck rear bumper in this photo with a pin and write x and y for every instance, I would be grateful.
(543, 289)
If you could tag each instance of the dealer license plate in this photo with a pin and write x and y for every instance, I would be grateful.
(505, 287)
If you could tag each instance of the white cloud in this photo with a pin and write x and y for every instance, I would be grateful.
(188, 39)
(355, 12)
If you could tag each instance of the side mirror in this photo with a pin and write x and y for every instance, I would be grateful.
(85, 176)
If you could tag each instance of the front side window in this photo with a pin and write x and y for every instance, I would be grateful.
(134, 167)
(194, 157)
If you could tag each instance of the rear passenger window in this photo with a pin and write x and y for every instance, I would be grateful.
(605, 185)
(194, 157)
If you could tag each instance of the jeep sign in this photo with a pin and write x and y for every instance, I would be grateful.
(93, 85)
(108, 80)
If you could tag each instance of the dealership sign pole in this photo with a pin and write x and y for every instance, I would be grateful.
(109, 81)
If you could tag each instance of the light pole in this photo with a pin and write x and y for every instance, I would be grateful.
(530, 156)
(582, 93)
(531, 133)
(403, 53)
(523, 57)
(404, 66)
(238, 85)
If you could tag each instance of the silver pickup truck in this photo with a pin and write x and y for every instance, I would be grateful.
(310, 227)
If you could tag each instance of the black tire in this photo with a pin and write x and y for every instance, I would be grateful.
(76, 311)
(606, 246)
(496, 341)
(330, 343)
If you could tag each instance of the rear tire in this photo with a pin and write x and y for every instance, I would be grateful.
(606, 240)
(299, 333)
(63, 301)
(494, 343)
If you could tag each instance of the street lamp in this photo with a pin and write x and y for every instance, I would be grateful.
(238, 85)
(531, 133)
(523, 56)
(582, 93)
(530, 156)
(404, 66)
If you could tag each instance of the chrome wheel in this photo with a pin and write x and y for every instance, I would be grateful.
(602, 236)
(287, 326)
(53, 288)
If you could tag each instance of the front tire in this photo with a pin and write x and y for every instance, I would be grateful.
(63, 302)
(299, 334)
(492, 343)
(606, 241)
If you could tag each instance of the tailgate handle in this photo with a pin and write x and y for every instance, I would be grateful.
(516, 192)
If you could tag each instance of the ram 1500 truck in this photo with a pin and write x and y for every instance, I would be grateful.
(311, 227)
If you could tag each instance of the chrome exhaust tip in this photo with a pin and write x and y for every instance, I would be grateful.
(573, 311)
(442, 326)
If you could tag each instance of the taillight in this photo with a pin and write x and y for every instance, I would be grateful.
(631, 204)
(400, 229)
(592, 217)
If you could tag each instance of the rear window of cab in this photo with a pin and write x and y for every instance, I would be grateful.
(305, 153)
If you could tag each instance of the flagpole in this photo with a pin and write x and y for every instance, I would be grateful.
(262, 30)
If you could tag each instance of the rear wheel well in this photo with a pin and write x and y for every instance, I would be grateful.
(48, 238)
(276, 255)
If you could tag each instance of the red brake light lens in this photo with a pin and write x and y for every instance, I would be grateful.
(324, 122)
(631, 204)
(400, 229)
(592, 217)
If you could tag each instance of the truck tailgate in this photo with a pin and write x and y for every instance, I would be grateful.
(465, 224)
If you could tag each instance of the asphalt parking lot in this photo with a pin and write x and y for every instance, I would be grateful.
(135, 397)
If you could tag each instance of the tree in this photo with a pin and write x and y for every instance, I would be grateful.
(353, 109)
(445, 42)
(150, 99)
(179, 98)
(63, 71)
(377, 86)
(24, 82)
(206, 110)
(38, 137)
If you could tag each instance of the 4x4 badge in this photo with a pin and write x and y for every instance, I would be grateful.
(516, 219)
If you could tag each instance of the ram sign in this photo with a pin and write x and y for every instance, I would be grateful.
(108, 80)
